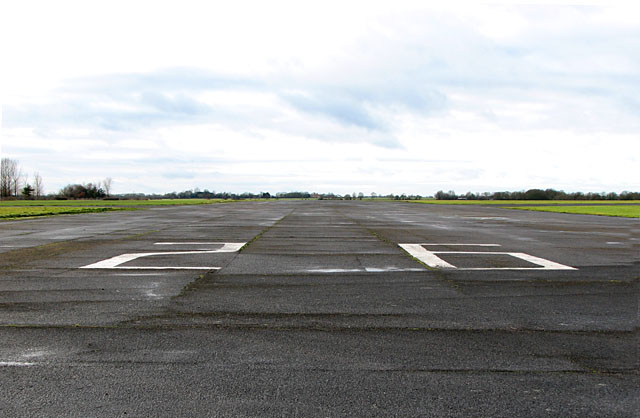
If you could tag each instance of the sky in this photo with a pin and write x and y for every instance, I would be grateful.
(342, 97)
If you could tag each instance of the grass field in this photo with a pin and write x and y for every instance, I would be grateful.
(525, 202)
(15, 209)
(612, 210)
(109, 203)
(16, 212)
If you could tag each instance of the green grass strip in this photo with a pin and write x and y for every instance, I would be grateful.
(612, 210)
(110, 203)
(525, 202)
(7, 213)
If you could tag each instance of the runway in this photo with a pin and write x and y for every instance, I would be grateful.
(331, 308)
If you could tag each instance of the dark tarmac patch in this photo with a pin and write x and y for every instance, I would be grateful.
(24, 256)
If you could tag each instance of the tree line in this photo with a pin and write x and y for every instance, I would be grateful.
(538, 194)
(14, 183)
(206, 194)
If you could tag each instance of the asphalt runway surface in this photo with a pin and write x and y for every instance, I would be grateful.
(313, 308)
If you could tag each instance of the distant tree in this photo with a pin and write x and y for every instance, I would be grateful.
(18, 180)
(535, 194)
(360, 196)
(293, 195)
(625, 195)
(8, 171)
(11, 177)
(451, 195)
(106, 184)
(94, 191)
(38, 188)
(80, 191)
(27, 191)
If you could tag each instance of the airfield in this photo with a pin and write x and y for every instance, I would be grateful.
(320, 308)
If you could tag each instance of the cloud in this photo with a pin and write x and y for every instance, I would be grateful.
(408, 63)
(342, 109)
(178, 175)
(128, 103)
(390, 95)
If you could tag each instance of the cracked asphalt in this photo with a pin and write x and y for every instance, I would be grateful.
(321, 313)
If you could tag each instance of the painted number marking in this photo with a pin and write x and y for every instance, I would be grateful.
(117, 261)
(431, 259)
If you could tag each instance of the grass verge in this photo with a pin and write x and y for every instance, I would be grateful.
(16, 212)
(608, 210)
(525, 202)
(110, 203)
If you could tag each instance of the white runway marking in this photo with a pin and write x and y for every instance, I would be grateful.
(546, 264)
(151, 268)
(335, 270)
(427, 257)
(227, 247)
(117, 261)
(16, 364)
(139, 274)
(363, 270)
(381, 270)
(431, 259)
(466, 245)
(189, 243)
(36, 353)
(484, 218)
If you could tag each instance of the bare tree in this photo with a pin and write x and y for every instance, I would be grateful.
(4, 178)
(19, 179)
(9, 177)
(38, 188)
(106, 183)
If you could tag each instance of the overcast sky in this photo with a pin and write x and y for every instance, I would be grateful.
(336, 97)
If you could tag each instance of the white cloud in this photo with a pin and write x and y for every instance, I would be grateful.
(252, 96)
